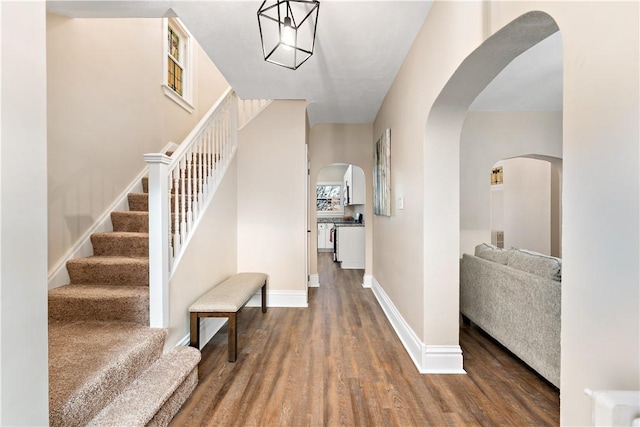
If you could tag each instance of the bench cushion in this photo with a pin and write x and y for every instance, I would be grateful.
(230, 295)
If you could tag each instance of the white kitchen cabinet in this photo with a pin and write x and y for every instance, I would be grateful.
(324, 236)
(353, 186)
(350, 250)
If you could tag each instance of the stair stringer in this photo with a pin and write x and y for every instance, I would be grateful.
(205, 206)
(246, 115)
(58, 275)
(211, 257)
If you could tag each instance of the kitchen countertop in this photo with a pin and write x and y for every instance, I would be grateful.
(340, 222)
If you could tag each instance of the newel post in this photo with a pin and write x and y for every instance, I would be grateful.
(158, 239)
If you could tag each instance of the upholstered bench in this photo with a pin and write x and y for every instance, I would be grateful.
(226, 300)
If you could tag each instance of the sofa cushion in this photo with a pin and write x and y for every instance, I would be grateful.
(491, 253)
(535, 263)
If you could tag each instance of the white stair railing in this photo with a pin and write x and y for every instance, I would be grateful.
(249, 108)
(180, 188)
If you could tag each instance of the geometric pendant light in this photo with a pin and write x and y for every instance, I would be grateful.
(288, 31)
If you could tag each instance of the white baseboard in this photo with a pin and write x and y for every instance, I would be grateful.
(280, 299)
(367, 281)
(442, 359)
(409, 339)
(429, 359)
(208, 328)
(58, 275)
(314, 281)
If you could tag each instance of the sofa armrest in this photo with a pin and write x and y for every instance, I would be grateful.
(519, 309)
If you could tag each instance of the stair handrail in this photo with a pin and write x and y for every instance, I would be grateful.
(192, 174)
(248, 109)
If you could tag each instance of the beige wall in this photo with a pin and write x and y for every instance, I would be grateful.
(600, 213)
(434, 56)
(210, 257)
(600, 314)
(272, 197)
(332, 173)
(106, 108)
(23, 216)
(556, 211)
(341, 143)
(527, 204)
(488, 137)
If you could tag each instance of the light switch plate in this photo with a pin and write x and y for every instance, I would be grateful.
(400, 202)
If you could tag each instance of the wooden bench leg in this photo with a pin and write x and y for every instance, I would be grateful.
(264, 297)
(233, 337)
(194, 335)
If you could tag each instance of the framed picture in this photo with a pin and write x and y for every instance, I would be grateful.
(382, 175)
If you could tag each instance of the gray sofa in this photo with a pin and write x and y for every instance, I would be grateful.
(514, 296)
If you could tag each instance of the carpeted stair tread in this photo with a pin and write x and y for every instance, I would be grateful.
(145, 185)
(109, 270)
(135, 221)
(159, 386)
(85, 302)
(164, 416)
(119, 243)
(130, 221)
(90, 363)
(140, 202)
(105, 364)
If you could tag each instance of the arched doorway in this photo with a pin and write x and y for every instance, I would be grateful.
(340, 207)
(442, 145)
(525, 205)
(331, 144)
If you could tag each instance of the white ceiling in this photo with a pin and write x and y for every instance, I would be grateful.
(357, 54)
(360, 46)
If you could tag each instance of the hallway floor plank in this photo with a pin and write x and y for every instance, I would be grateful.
(339, 362)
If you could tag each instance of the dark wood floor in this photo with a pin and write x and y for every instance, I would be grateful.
(339, 362)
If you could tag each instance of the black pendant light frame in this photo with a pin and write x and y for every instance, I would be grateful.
(299, 53)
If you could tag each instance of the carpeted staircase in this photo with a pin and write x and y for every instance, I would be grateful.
(106, 365)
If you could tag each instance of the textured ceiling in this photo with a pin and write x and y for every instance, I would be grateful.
(356, 58)
(359, 49)
(531, 82)
(360, 46)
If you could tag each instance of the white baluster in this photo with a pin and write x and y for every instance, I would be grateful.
(189, 194)
(182, 189)
(203, 154)
(243, 114)
(216, 152)
(176, 232)
(168, 214)
(212, 134)
(200, 172)
(198, 182)
(223, 139)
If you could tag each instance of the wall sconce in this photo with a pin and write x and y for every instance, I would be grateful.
(288, 31)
